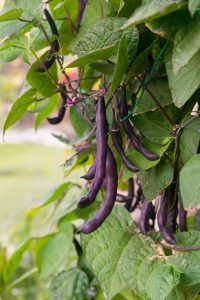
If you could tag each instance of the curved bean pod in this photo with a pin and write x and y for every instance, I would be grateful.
(91, 172)
(146, 211)
(55, 47)
(117, 141)
(102, 138)
(61, 112)
(129, 129)
(162, 218)
(109, 199)
(81, 4)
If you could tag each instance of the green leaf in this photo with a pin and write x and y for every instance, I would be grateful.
(13, 47)
(15, 260)
(154, 127)
(185, 82)
(19, 108)
(155, 180)
(70, 285)
(139, 160)
(190, 182)
(114, 254)
(161, 281)
(121, 65)
(186, 43)
(189, 141)
(55, 254)
(42, 82)
(58, 194)
(101, 41)
(187, 262)
(160, 89)
(13, 14)
(150, 10)
(80, 126)
(93, 56)
(123, 259)
(193, 5)
(44, 113)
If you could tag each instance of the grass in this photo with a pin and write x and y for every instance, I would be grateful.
(27, 173)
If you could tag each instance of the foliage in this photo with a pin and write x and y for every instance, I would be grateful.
(149, 51)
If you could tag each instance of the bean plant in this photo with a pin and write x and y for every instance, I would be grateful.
(131, 230)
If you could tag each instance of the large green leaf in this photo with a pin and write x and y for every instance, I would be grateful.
(149, 10)
(55, 254)
(104, 37)
(190, 182)
(13, 47)
(42, 82)
(154, 127)
(118, 256)
(187, 262)
(160, 89)
(185, 82)
(193, 5)
(186, 43)
(80, 126)
(121, 65)
(189, 141)
(19, 108)
(70, 285)
(13, 14)
(155, 180)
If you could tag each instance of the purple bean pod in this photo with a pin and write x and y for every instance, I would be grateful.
(102, 138)
(182, 215)
(61, 112)
(81, 8)
(55, 47)
(165, 231)
(146, 211)
(117, 141)
(90, 173)
(109, 199)
(129, 129)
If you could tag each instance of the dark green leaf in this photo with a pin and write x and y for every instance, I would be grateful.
(80, 126)
(13, 14)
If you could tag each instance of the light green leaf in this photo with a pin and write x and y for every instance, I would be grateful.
(13, 47)
(161, 281)
(193, 5)
(44, 113)
(189, 141)
(185, 82)
(155, 180)
(70, 285)
(187, 262)
(55, 254)
(154, 127)
(19, 108)
(160, 89)
(139, 160)
(115, 254)
(42, 82)
(121, 65)
(13, 14)
(149, 10)
(58, 194)
(190, 182)
(15, 260)
(186, 43)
